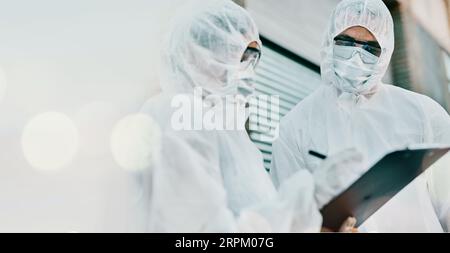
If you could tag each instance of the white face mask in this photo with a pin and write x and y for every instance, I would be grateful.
(241, 83)
(240, 87)
(353, 75)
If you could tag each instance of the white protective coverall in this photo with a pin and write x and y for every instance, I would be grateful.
(214, 180)
(373, 118)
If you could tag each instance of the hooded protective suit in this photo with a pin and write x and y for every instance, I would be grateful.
(373, 118)
(214, 180)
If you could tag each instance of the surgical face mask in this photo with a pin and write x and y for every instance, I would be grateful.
(373, 47)
(246, 73)
(245, 82)
(354, 67)
(240, 81)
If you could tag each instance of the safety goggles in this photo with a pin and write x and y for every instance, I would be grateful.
(346, 53)
(372, 47)
(250, 58)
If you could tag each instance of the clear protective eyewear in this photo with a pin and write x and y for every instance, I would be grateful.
(344, 47)
(250, 58)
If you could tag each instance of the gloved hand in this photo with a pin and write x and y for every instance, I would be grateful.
(347, 227)
(336, 174)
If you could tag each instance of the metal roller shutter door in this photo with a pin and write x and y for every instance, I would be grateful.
(292, 81)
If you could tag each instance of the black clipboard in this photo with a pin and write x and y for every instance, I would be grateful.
(378, 185)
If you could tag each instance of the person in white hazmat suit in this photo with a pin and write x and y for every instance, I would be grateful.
(354, 110)
(213, 180)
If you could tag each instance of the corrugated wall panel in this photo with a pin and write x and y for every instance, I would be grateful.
(279, 75)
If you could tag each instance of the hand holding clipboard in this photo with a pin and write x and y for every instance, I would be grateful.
(378, 185)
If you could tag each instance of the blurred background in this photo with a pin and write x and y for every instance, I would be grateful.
(71, 72)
